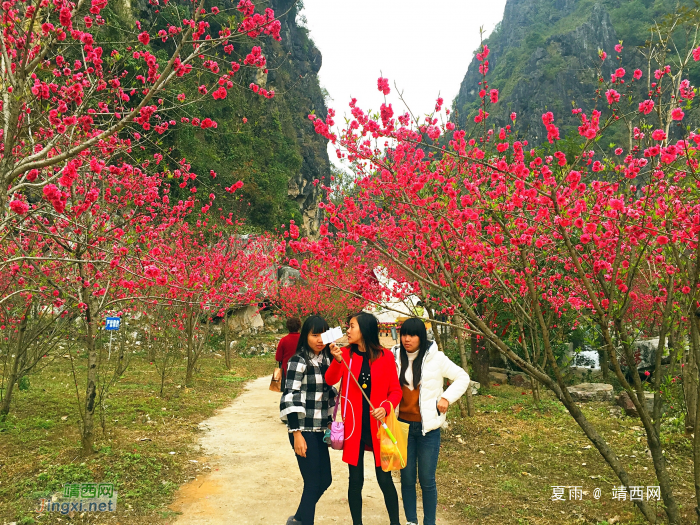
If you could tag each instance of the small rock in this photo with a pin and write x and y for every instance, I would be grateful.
(615, 411)
(586, 392)
(624, 401)
(497, 377)
(287, 276)
(520, 380)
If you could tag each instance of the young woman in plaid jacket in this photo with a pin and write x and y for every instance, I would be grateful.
(306, 408)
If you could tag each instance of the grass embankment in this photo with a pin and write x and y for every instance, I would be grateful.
(40, 441)
(499, 467)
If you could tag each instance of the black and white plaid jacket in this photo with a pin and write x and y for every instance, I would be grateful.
(307, 393)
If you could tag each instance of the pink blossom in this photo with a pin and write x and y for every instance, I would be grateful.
(433, 132)
(612, 96)
(617, 204)
(646, 106)
(19, 207)
(383, 85)
(677, 114)
(658, 134)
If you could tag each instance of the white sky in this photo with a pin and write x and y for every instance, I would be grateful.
(423, 46)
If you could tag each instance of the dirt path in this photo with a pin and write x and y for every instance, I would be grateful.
(254, 476)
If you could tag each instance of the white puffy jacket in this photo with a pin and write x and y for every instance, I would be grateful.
(436, 366)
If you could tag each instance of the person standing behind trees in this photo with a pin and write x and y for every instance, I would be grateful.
(288, 346)
(422, 369)
(374, 368)
(305, 407)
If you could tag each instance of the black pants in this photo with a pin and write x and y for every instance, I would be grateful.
(315, 468)
(357, 479)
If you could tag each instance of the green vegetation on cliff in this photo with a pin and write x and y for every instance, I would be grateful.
(544, 55)
(269, 144)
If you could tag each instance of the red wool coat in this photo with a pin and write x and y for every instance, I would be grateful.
(385, 389)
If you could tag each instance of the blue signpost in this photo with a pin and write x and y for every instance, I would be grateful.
(112, 324)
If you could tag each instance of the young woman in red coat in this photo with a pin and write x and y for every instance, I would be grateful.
(375, 369)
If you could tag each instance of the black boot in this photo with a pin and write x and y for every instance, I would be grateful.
(292, 521)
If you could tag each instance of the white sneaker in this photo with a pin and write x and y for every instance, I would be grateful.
(411, 523)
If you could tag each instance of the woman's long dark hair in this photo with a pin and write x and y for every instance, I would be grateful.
(413, 326)
(312, 325)
(369, 328)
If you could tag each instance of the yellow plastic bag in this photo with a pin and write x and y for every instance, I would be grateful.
(393, 443)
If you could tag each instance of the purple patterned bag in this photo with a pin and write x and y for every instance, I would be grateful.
(338, 427)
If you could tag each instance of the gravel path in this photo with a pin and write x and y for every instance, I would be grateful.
(254, 476)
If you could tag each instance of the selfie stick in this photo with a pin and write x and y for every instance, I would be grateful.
(388, 432)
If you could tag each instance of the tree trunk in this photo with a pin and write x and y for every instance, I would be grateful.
(88, 434)
(691, 384)
(696, 454)
(7, 398)
(16, 371)
(603, 361)
(190, 351)
(151, 346)
(227, 343)
(465, 366)
(480, 360)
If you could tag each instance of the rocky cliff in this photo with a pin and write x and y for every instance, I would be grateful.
(269, 144)
(544, 55)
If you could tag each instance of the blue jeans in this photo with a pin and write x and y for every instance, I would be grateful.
(422, 456)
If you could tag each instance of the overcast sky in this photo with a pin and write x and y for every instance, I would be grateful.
(423, 46)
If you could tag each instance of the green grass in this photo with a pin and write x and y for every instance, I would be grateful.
(40, 450)
(528, 449)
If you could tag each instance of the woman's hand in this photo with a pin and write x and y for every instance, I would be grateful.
(299, 444)
(336, 352)
(443, 405)
(379, 413)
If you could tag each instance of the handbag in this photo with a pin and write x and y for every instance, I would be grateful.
(338, 427)
(276, 381)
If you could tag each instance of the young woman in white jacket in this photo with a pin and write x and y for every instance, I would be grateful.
(422, 369)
